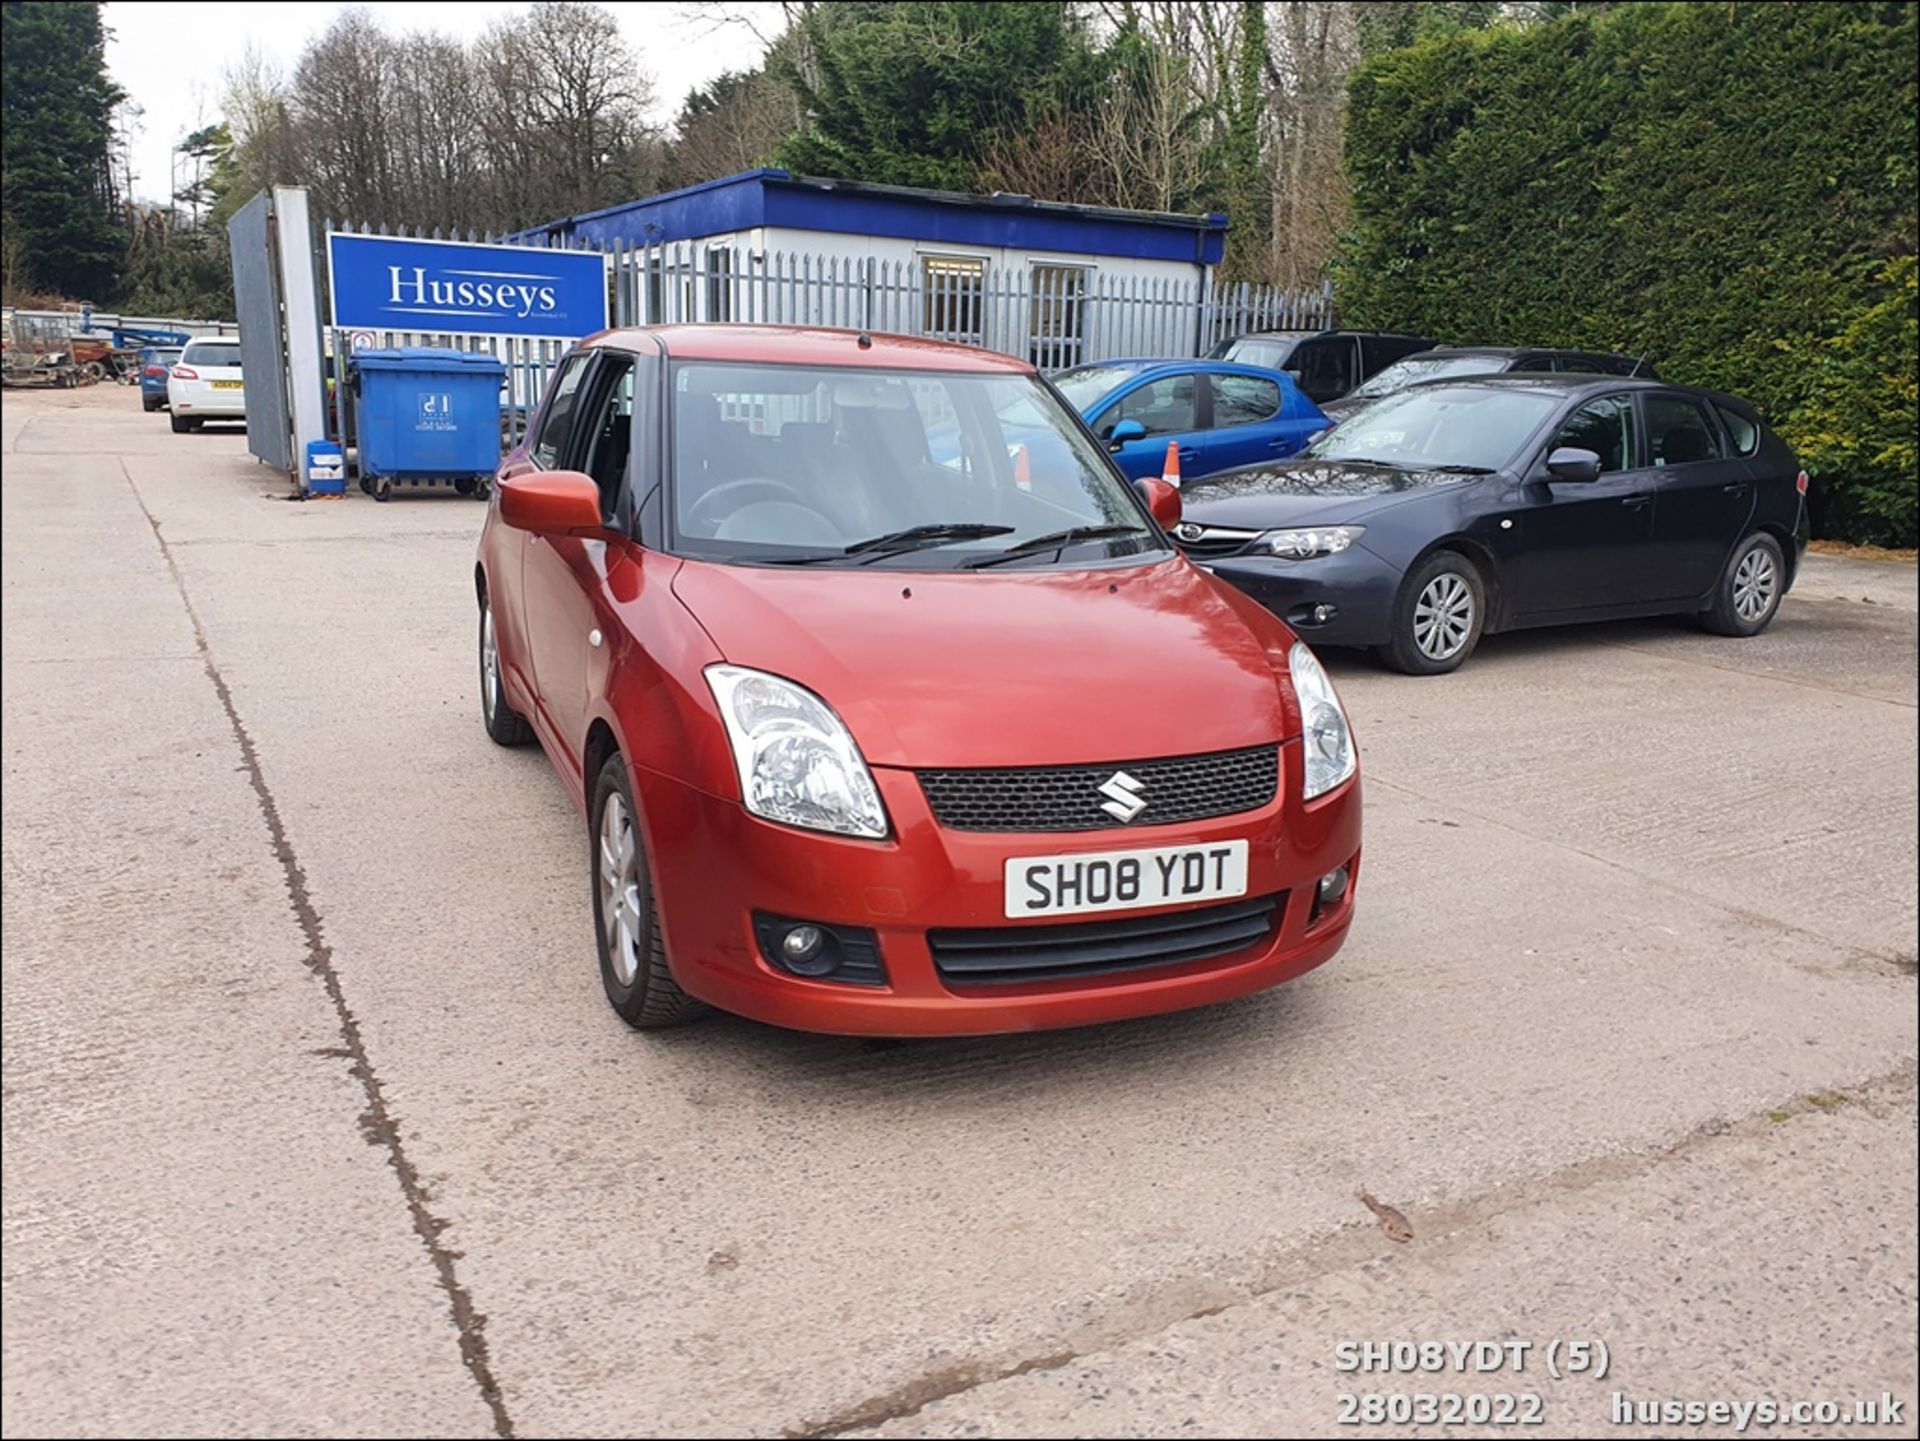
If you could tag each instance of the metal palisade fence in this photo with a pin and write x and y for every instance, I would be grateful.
(1051, 313)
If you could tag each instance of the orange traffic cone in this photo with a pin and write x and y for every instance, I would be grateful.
(1171, 472)
(1022, 468)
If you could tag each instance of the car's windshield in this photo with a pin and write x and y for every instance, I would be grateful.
(782, 464)
(213, 353)
(1440, 427)
(1089, 383)
(1416, 368)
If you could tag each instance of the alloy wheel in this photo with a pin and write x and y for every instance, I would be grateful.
(1443, 616)
(489, 663)
(620, 889)
(1755, 582)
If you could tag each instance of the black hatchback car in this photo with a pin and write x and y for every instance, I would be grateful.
(1325, 364)
(1462, 507)
(1451, 362)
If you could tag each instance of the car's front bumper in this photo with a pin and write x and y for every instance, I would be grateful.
(715, 865)
(1344, 599)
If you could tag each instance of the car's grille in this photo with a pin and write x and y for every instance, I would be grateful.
(1069, 798)
(1006, 955)
(1209, 541)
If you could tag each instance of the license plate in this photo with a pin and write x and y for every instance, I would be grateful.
(1125, 880)
(228, 384)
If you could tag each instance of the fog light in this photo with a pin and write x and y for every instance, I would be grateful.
(1333, 885)
(1321, 615)
(804, 950)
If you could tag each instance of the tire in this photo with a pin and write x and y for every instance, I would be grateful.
(465, 485)
(180, 424)
(633, 957)
(149, 404)
(1438, 617)
(1750, 589)
(504, 724)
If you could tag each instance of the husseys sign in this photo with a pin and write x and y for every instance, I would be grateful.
(379, 282)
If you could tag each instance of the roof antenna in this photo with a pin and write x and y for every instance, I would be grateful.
(865, 342)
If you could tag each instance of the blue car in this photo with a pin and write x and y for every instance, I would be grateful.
(155, 362)
(1222, 415)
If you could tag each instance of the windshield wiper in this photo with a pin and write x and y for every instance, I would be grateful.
(1056, 540)
(919, 537)
(1363, 460)
(1459, 469)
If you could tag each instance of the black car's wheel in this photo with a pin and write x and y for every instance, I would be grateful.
(1748, 596)
(1438, 616)
(506, 725)
(626, 923)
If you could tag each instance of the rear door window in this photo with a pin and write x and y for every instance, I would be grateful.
(1742, 430)
(1680, 431)
(1242, 399)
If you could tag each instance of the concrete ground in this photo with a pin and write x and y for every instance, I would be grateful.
(316, 1121)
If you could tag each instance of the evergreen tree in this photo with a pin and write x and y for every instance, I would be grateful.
(56, 122)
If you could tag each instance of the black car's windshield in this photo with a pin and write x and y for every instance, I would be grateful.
(801, 465)
(1416, 368)
(1440, 427)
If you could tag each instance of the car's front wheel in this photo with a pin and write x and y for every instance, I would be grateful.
(1438, 616)
(505, 725)
(1748, 596)
(626, 923)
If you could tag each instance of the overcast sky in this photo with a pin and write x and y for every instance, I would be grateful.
(171, 58)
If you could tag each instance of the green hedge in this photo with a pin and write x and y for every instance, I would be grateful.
(1727, 189)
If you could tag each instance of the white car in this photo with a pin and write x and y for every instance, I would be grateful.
(205, 384)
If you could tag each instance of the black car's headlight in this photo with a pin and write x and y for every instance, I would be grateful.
(1309, 544)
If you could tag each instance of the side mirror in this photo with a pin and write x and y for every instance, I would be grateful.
(1163, 500)
(1125, 431)
(1571, 463)
(551, 502)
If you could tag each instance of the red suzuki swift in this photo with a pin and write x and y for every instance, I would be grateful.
(889, 706)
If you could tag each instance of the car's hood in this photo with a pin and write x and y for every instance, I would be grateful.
(1305, 492)
(1010, 668)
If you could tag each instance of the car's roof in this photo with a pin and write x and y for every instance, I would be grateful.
(1309, 334)
(812, 345)
(1560, 384)
(1172, 362)
(1508, 351)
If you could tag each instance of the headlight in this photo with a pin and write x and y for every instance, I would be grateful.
(1326, 743)
(1309, 544)
(797, 763)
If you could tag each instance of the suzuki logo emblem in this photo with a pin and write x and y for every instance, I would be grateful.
(1124, 800)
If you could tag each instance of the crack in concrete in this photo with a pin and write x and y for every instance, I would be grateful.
(1359, 1243)
(378, 1123)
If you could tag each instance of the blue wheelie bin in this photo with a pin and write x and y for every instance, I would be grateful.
(425, 414)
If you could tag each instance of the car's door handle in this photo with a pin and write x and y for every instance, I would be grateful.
(1188, 452)
(1637, 502)
(1739, 487)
